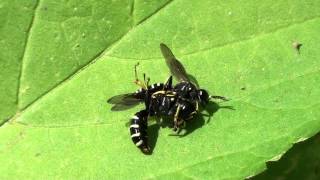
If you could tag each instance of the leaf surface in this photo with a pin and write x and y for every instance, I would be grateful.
(63, 127)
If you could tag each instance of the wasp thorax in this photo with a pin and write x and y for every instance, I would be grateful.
(186, 90)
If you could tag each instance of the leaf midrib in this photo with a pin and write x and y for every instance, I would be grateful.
(24, 53)
(240, 99)
(222, 45)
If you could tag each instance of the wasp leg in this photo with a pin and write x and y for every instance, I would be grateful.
(138, 131)
(175, 119)
(159, 121)
(180, 125)
(142, 84)
(197, 106)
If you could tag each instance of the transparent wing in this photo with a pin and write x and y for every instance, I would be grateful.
(124, 101)
(176, 68)
(121, 107)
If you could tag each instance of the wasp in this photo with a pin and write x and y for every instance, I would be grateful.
(179, 102)
(186, 90)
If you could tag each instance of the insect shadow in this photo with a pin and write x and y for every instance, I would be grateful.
(197, 122)
(153, 132)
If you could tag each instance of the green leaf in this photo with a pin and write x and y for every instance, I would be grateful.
(13, 28)
(77, 54)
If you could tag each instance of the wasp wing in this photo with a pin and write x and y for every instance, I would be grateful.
(176, 68)
(124, 101)
(121, 107)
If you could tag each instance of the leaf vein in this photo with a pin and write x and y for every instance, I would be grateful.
(24, 52)
(230, 43)
(155, 12)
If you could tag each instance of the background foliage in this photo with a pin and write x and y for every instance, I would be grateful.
(61, 60)
(302, 161)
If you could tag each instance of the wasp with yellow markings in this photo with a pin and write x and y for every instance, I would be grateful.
(179, 102)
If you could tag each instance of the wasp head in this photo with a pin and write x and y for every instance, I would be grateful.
(203, 97)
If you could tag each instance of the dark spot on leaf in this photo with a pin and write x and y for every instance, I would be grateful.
(297, 46)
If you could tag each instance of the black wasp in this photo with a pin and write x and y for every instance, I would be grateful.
(179, 102)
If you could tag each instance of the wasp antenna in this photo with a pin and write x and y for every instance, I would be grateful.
(145, 83)
(148, 80)
(137, 81)
(219, 97)
(135, 71)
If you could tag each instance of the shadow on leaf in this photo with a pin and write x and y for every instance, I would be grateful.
(153, 132)
(197, 122)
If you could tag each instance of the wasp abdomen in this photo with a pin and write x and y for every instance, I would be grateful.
(138, 131)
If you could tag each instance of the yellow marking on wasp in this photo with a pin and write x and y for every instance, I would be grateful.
(167, 93)
(176, 114)
(194, 112)
(134, 126)
(139, 143)
(159, 92)
(135, 135)
(141, 84)
(197, 106)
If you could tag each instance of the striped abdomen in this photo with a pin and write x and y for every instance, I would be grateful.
(138, 131)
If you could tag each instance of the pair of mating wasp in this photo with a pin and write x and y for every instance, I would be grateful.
(179, 102)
